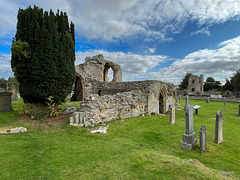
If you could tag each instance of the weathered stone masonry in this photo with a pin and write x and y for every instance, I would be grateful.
(105, 101)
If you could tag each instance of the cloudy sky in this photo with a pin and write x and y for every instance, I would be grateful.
(150, 39)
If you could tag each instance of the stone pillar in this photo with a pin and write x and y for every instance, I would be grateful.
(172, 115)
(189, 138)
(219, 127)
(239, 109)
(203, 138)
(5, 101)
(186, 102)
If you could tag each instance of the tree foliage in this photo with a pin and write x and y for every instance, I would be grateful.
(43, 55)
(211, 84)
(233, 83)
(184, 83)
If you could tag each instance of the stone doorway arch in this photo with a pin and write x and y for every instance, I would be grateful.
(78, 89)
(162, 101)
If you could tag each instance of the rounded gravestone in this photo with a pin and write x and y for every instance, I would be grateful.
(5, 101)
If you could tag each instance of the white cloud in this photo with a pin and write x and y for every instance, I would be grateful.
(130, 63)
(204, 31)
(108, 20)
(219, 63)
(152, 50)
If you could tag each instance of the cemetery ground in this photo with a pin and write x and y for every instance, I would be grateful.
(145, 147)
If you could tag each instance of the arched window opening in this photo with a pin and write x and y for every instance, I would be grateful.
(108, 73)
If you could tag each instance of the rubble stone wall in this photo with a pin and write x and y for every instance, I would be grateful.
(125, 100)
(104, 101)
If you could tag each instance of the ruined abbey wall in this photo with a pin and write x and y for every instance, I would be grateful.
(104, 101)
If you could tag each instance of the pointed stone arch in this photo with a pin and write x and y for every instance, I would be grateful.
(78, 89)
(105, 72)
(162, 100)
(117, 72)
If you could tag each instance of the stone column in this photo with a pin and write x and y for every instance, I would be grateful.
(189, 138)
(219, 127)
(203, 138)
(186, 102)
(172, 115)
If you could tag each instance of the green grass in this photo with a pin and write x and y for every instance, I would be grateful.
(137, 148)
(74, 104)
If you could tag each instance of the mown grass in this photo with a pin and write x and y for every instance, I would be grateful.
(137, 148)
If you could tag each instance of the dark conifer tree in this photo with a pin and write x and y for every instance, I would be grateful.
(43, 55)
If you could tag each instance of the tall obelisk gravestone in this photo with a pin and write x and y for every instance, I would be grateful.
(189, 138)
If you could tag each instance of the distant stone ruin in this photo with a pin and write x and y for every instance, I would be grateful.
(195, 84)
(104, 101)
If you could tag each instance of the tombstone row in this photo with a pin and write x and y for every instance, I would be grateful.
(189, 138)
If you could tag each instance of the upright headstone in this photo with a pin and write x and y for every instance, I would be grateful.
(176, 99)
(239, 109)
(5, 101)
(180, 99)
(207, 100)
(186, 102)
(203, 138)
(189, 138)
(219, 127)
(172, 115)
(224, 101)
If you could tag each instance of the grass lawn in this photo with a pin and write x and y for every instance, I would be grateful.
(138, 148)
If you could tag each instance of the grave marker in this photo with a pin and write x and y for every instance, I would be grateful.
(189, 138)
(203, 138)
(219, 127)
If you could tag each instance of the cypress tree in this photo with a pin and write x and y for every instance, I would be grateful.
(43, 55)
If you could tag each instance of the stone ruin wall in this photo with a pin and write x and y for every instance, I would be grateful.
(105, 101)
(124, 100)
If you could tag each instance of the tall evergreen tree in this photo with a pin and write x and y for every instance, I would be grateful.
(43, 55)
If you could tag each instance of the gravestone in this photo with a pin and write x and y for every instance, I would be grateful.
(172, 115)
(203, 138)
(224, 101)
(176, 100)
(180, 99)
(5, 101)
(219, 127)
(239, 109)
(189, 138)
(207, 100)
(186, 102)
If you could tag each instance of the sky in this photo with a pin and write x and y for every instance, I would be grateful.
(150, 39)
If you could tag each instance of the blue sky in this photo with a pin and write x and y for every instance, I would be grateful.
(154, 39)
